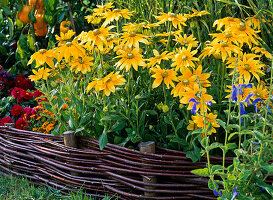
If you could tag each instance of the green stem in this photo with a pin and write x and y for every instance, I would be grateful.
(266, 112)
(164, 92)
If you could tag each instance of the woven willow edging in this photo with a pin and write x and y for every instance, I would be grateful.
(112, 171)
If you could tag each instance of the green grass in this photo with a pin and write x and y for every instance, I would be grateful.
(19, 188)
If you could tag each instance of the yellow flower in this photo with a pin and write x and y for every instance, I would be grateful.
(111, 41)
(184, 58)
(260, 91)
(101, 9)
(115, 15)
(246, 33)
(176, 19)
(130, 58)
(254, 22)
(199, 95)
(70, 49)
(186, 81)
(166, 34)
(203, 123)
(97, 37)
(249, 65)
(82, 64)
(158, 58)
(107, 84)
(133, 39)
(94, 19)
(42, 56)
(221, 49)
(262, 51)
(186, 41)
(200, 78)
(42, 73)
(226, 22)
(197, 13)
(166, 75)
(227, 36)
(64, 37)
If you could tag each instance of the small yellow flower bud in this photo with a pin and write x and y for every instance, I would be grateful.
(165, 108)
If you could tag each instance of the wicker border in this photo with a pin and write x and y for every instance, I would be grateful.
(114, 170)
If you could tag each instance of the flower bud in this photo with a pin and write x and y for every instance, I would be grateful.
(165, 108)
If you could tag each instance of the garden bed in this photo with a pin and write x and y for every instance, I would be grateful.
(114, 170)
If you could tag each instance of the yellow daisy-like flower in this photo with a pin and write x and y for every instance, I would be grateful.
(101, 9)
(201, 78)
(176, 19)
(221, 49)
(133, 39)
(107, 84)
(81, 64)
(197, 13)
(186, 82)
(166, 75)
(226, 22)
(94, 19)
(64, 37)
(186, 41)
(130, 58)
(254, 22)
(246, 33)
(249, 66)
(42, 73)
(184, 58)
(70, 49)
(42, 56)
(111, 41)
(262, 51)
(203, 122)
(227, 36)
(259, 90)
(115, 15)
(158, 58)
(199, 95)
(97, 37)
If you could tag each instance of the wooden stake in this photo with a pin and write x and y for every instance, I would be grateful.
(70, 140)
(148, 147)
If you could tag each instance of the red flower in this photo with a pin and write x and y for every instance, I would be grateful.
(23, 83)
(26, 95)
(21, 124)
(16, 110)
(27, 113)
(37, 93)
(16, 92)
(6, 119)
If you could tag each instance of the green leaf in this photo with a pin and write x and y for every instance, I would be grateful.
(267, 187)
(61, 16)
(231, 145)
(244, 175)
(222, 123)
(3, 50)
(118, 126)
(180, 125)
(70, 122)
(103, 140)
(268, 168)
(211, 186)
(11, 27)
(79, 129)
(201, 172)
(111, 117)
(216, 168)
(151, 112)
(258, 134)
(167, 121)
(31, 16)
(203, 142)
(232, 134)
(214, 146)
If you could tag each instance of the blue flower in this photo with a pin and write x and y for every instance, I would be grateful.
(235, 193)
(234, 94)
(216, 193)
(264, 190)
(242, 109)
(256, 143)
(255, 102)
(248, 97)
(209, 103)
(194, 107)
